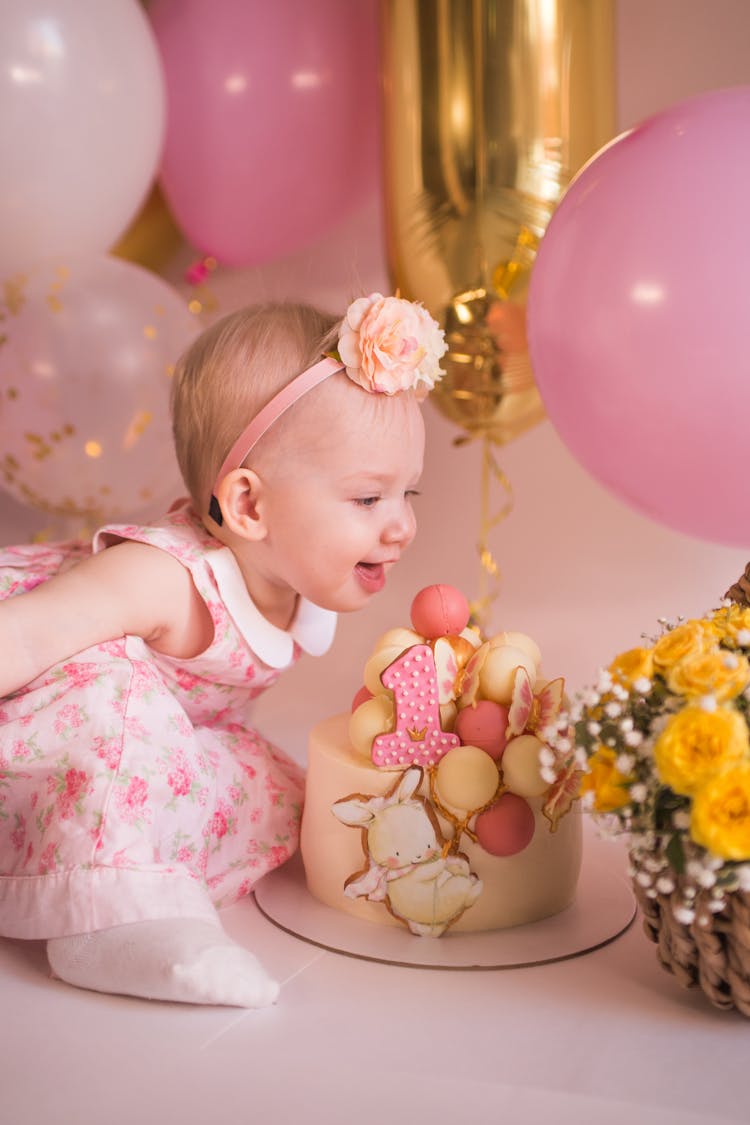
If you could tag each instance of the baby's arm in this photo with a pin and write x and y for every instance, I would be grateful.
(129, 588)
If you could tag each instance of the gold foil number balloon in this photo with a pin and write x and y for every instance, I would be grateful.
(489, 107)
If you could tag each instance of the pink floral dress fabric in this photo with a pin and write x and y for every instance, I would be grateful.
(132, 785)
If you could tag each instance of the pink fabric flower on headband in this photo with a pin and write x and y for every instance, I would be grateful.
(388, 344)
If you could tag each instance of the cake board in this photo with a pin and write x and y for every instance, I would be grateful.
(603, 909)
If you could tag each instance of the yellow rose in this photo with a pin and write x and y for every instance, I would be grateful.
(605, 781)
(720, 818)
(632, 665)
(696, 744)
(685, 640)
(726, 623)
(722, 674)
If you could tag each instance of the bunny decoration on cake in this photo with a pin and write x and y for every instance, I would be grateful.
(408, 869)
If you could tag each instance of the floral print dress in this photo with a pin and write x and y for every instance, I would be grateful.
(132, 786)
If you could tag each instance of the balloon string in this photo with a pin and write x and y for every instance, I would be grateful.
(489, 571)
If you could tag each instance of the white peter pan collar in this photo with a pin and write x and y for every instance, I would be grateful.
(312, 627)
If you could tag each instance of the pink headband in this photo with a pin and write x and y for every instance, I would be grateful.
(263, 421)
(386, 345)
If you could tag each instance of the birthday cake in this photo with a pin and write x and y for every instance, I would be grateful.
(436, 803)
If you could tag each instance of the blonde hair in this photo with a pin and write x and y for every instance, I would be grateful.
(230, 372)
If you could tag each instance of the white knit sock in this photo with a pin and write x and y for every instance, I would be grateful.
(184, 959)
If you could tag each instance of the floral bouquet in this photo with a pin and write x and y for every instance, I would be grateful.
(664, 743)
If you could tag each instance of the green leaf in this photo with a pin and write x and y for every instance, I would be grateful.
(675, 854)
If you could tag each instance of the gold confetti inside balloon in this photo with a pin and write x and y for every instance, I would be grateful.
(87, 348)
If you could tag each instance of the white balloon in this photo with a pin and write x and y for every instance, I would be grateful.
(82, 124)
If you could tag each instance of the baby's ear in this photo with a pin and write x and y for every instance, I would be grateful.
(240, 499)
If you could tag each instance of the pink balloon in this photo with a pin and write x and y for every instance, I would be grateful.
(89, 347)
(638, 321)
(272, 119)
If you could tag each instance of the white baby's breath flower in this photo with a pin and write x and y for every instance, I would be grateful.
(743, 877)
(639, 792)
(633, 738)
(603, 681)
(593, 727)
(730, 660)
(643, 879)
(626, 724)
(665, 885)
(684, 914)
(624, 763)
(612, 710)
(619, 692)
(681, 819)
(708, 703)
(546, 757)
(743, 637)
(548, 775)
(642, 685)
(580, 758)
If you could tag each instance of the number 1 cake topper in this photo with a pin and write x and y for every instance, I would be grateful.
(417, 738)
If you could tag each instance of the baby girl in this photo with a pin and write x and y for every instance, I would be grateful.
(135, 797)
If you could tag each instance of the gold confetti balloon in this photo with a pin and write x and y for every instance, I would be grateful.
(87, 349)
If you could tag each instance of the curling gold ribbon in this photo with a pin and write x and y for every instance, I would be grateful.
(489, 107)
(489, 571)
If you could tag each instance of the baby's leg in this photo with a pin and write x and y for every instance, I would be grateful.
(185, 959)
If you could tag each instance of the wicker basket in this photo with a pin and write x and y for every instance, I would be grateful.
(712, 952)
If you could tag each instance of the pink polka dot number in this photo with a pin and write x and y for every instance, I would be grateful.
(439, 611)
(417, 736)
(507, 827)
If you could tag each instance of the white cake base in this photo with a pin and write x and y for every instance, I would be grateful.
(604, 907)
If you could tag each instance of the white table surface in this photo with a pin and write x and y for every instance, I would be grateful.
(606, 1037)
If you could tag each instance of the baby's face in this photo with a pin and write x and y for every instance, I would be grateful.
(340, 509)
